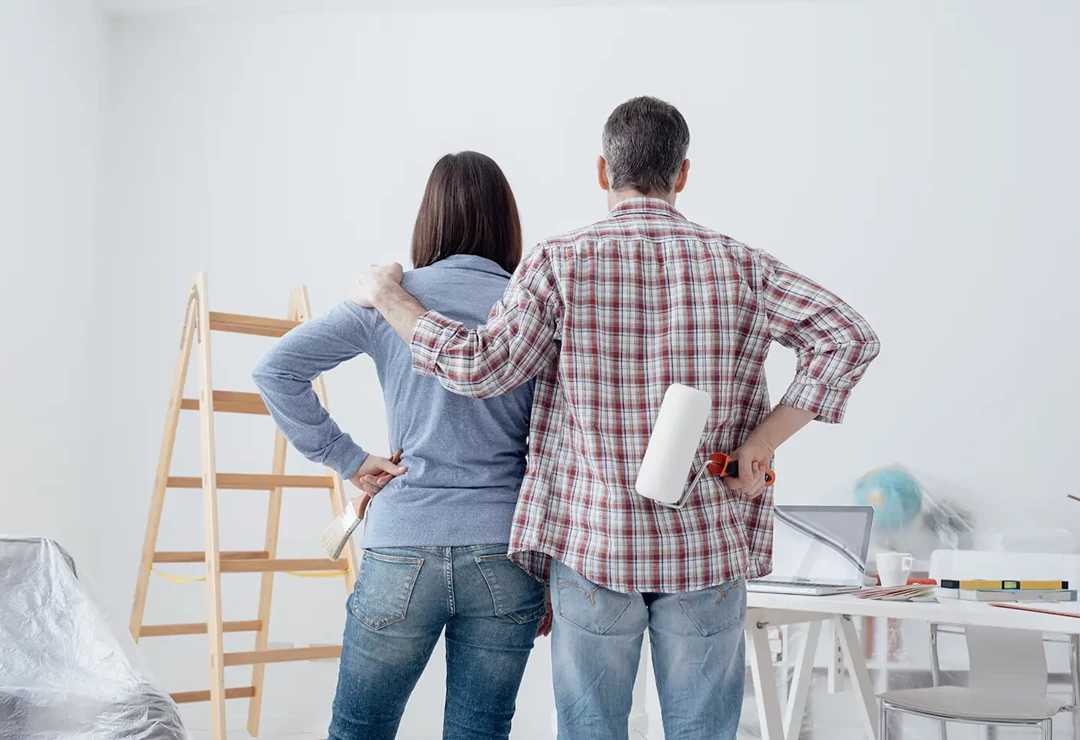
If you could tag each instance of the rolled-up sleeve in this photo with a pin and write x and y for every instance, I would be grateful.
(518, 340)
(833, 343)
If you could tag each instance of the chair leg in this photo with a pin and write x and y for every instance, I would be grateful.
(883, 721)
(1048, 729)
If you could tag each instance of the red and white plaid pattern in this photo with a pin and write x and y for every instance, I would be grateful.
(605, 319)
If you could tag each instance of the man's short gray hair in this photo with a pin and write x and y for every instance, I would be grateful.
(645, 143)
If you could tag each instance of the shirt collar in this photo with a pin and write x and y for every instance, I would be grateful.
(470, 262)
(654, 206)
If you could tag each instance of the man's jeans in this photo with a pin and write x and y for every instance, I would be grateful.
(403, 598)
(698, 652)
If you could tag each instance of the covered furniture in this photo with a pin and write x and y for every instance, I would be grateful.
(65, 672)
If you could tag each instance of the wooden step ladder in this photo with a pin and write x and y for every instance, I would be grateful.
(199, 322)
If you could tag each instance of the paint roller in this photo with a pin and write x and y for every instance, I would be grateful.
(673, 444)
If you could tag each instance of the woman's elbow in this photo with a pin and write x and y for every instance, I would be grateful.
(265, 373)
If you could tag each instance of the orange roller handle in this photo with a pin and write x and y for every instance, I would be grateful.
(726, 466)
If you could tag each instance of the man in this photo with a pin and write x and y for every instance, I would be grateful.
(606, 318)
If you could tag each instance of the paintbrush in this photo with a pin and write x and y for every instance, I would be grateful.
(337, 533)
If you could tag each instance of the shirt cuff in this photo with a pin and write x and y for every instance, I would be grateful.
(347, 460)
(828, 403)
(432, 332)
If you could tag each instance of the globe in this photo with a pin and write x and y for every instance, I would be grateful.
(895, 495)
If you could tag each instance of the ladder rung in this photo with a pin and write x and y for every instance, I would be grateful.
(198, 556)
(240, 324)
(231, 402)
(255, 657)
(186, 697)
(255, 482)
(279, 565)
(196, 628)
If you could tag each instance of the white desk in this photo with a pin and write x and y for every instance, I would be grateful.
(779, 723)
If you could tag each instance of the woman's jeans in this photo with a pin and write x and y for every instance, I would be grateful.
(403, 599)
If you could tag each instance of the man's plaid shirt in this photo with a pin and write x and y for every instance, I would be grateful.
(605, 319)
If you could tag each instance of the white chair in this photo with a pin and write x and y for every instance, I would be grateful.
(1007, 683)
(1007, 679)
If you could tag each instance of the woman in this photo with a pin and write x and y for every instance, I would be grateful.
(436, 536)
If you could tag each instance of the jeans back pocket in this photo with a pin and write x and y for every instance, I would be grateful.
(716, 609)
(589, 606)
(384, 588)
(514, 593)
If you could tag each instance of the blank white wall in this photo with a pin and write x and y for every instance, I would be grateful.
(53, 53)
(919, 158)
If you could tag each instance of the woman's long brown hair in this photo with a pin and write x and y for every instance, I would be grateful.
(468, 208)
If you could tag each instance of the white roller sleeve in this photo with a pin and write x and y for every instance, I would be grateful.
(673, 443)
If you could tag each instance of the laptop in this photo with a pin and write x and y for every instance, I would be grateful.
(818, 550)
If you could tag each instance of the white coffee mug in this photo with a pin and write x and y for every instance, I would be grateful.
(893, 567)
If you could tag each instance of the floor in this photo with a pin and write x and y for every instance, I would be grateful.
(264, 736)
(829, 717)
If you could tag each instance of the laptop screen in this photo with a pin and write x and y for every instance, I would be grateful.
(821, 544)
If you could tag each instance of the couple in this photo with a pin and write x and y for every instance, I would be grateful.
(571, 364)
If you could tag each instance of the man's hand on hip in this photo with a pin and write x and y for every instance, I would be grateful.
(757, 452)
(754, 458)
(373, 280)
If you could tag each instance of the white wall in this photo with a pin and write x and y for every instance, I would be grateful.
(919, 158)
(53, 53)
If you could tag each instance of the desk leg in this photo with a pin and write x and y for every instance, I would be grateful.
(800, 684)
(1074, 671)
(783, 667)
(836, 660)
(764, 678)
(860, 676)
(868, 636)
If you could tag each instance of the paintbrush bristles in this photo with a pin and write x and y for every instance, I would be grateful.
(336, 536)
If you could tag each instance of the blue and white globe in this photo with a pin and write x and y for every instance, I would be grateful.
(895, 495)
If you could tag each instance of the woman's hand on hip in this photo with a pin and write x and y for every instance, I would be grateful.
(376, 472)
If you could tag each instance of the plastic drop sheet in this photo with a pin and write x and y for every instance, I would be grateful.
(65, 672)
